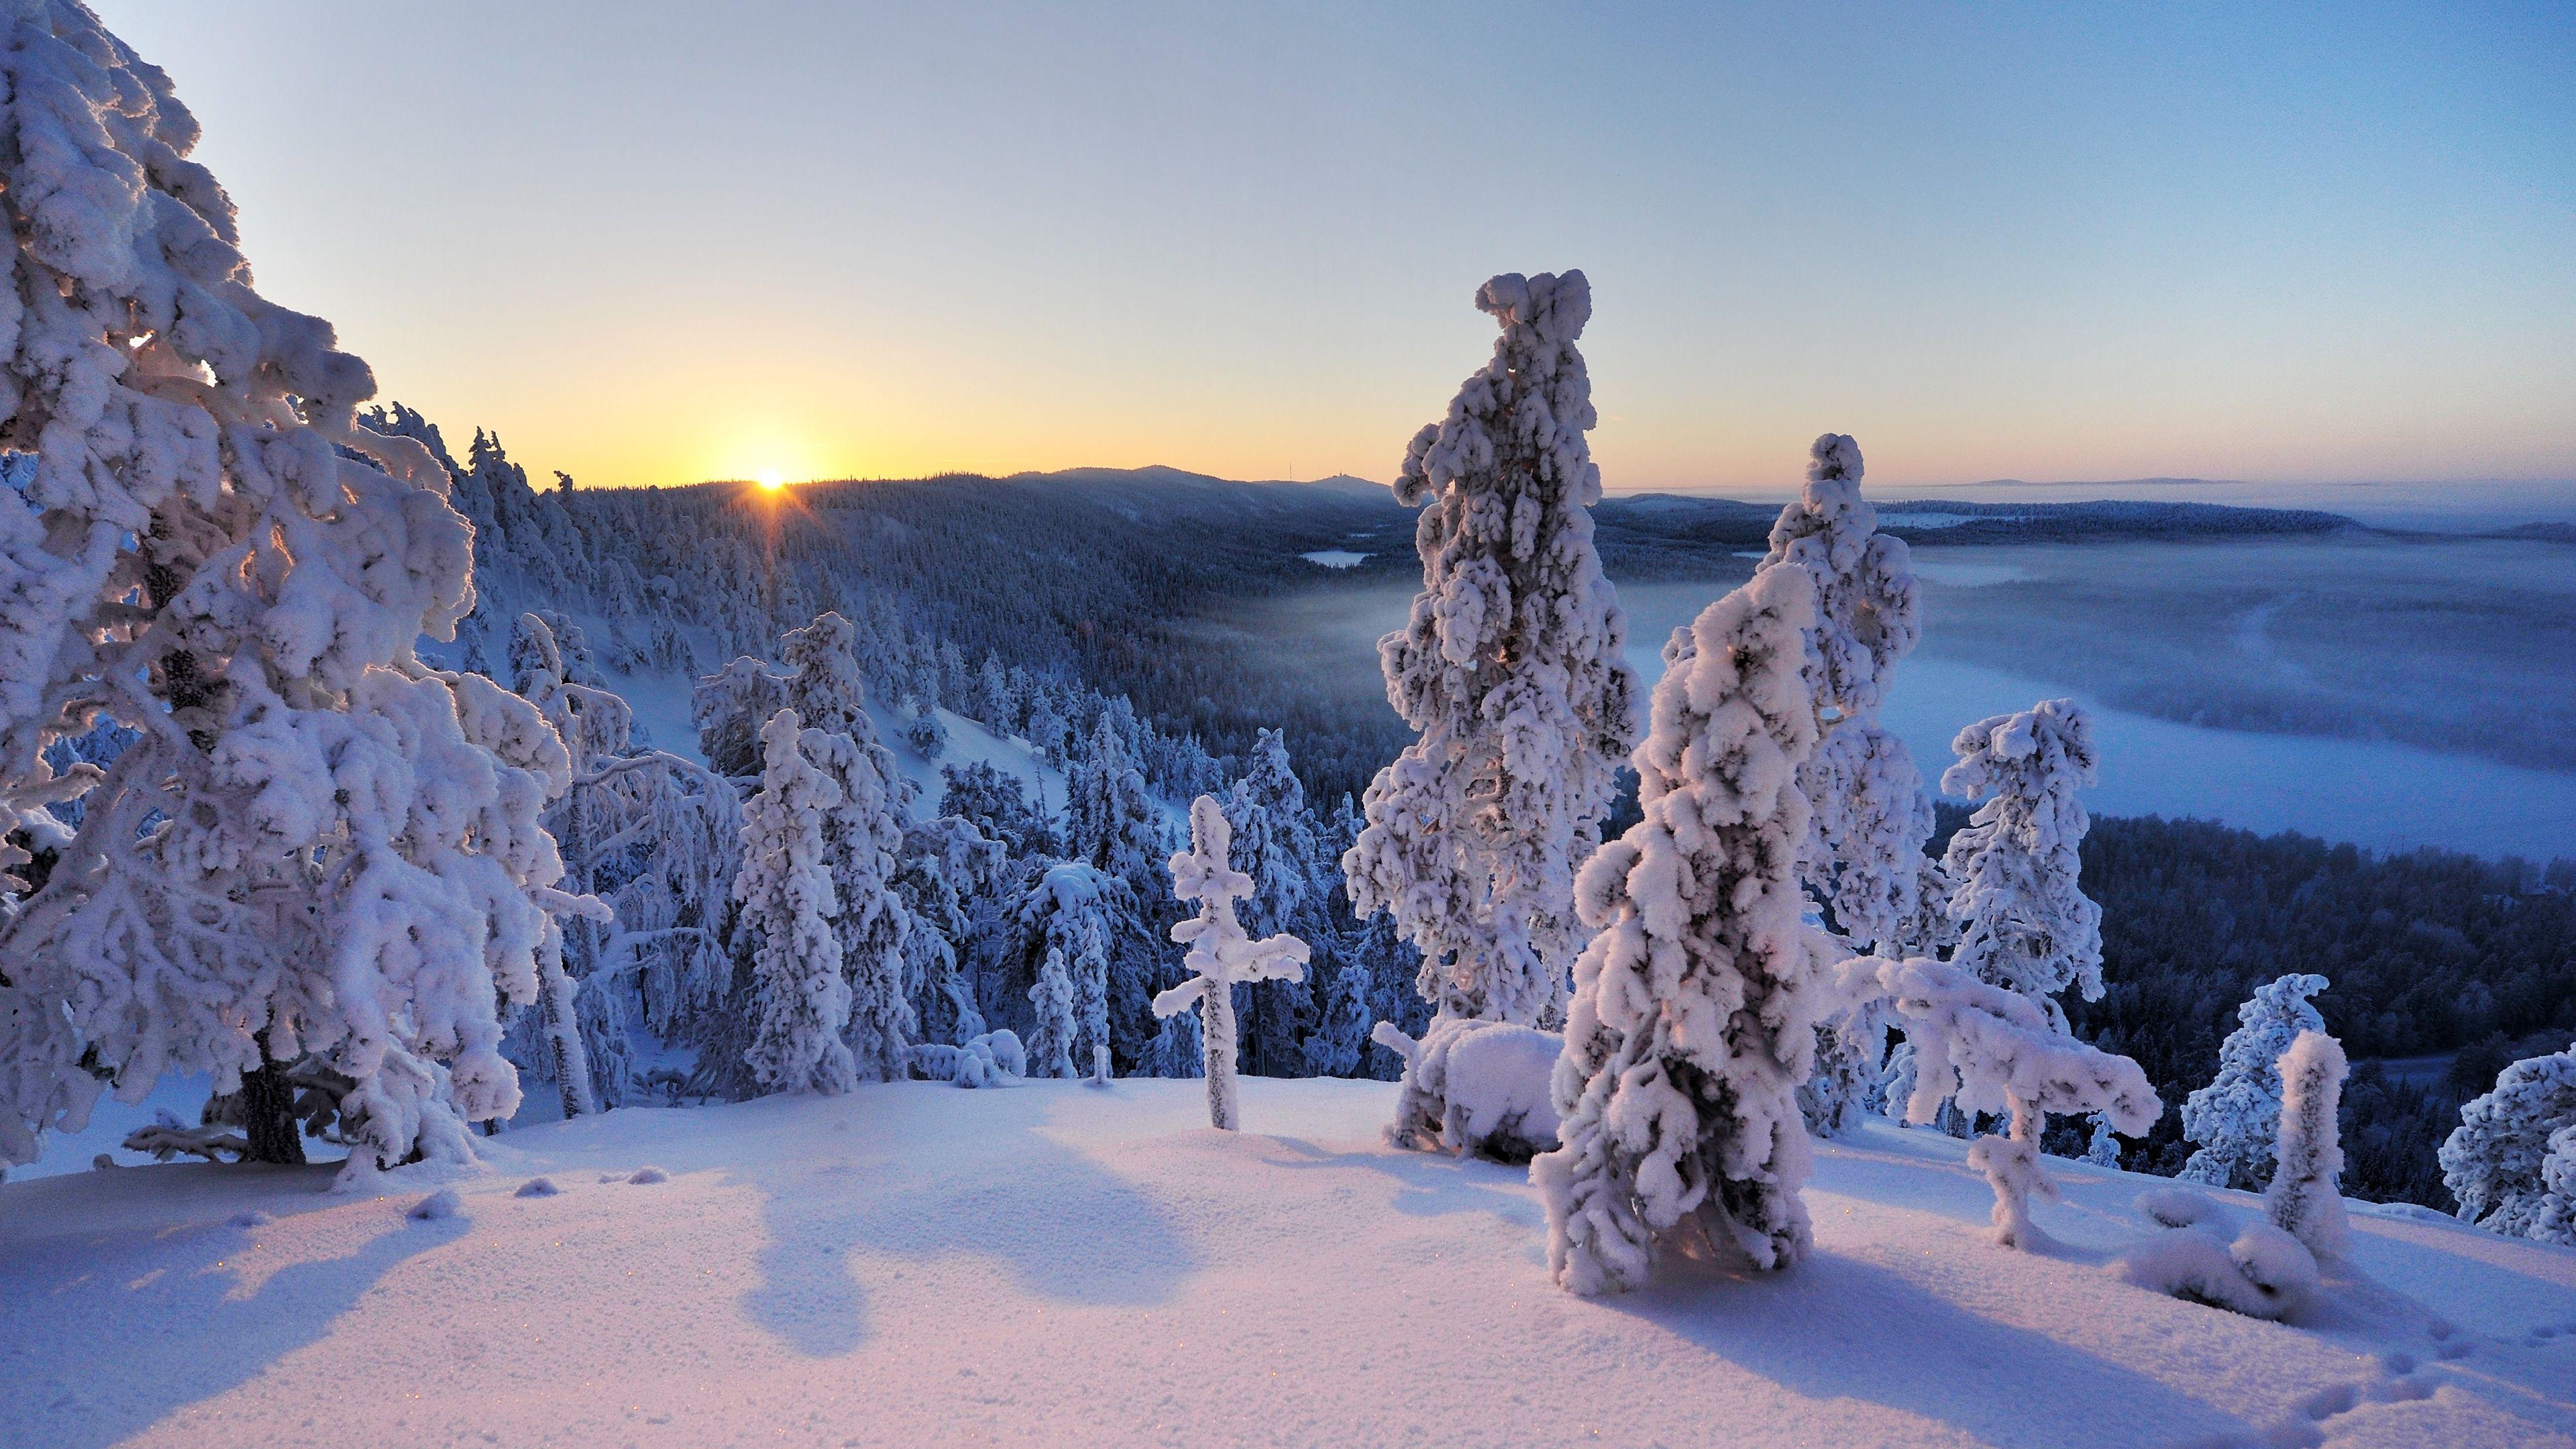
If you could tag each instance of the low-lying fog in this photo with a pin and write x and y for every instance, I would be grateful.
(2385, 692)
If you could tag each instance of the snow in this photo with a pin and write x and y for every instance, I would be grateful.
(911, 1264)
(1335, 558)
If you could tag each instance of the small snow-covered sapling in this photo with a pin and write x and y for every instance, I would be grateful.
(1220, 953)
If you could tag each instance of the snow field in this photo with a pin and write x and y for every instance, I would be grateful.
(912, 1265)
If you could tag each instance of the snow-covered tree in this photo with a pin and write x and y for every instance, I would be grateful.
(1989, 1049)
(2101, 1145)
(1220, 953)
(320, 846)
(1863, 862)
(2303, 1199)
(1274, 839)
(1341, 1035)
(1110, 820)
(786, 893)
(1693, 1018)
(997, 807)
(2555, 1221)
(927, 735)
(1070, 910)
(2492, 1161)
(1512, 667)
(2236, 1117)
(729, 707)
(1051, 1031)
(944, 862)
(2025, 923)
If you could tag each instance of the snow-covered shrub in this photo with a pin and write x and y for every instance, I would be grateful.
(1988, 1049)
(1480, 1087)
(786, 894)
(2492, 1160)
(2025, 923)
(319, 844)
(2302, 1199)
(1512, 667)
(2235, 1119)
(2265, 1273)
(1051, 1028)
(2175, 1207)
(1220, 953)
(1693, 1018)
(994, 1059)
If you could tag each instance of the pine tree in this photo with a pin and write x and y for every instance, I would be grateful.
(2493, 1161)
(786, 892)
(1220, 952)
(2236, 1117)
(1512, 668)
(320, 848)
(1693, 1024)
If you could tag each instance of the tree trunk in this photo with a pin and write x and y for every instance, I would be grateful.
(1216, 1022)
(268, 1115)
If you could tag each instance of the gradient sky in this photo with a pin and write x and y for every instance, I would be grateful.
(655, 243)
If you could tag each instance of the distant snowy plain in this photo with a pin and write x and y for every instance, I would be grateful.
(1062, 1265)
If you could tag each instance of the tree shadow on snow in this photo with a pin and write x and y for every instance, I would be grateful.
(99, 1345)
(1837, 1328)
(1058, 1225)
(1432, 1183)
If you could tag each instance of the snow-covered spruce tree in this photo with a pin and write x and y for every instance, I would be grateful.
(862, 832)
(1220, 952)
(2555, 1221)
(1512, 667)
(1340, 1039)
(2302, 1200)
(1693, 1018)
(1274, 838)
(1051, 1030)
(786, 893)
(1863, 863)
(944, 862)
(659, 838)
(729, 707)
(2236, 1117)
(2492, 1161)
(1070, 910)
(1110, 820)
(1989, 1049)
(2025, 923)
(320, 846)
(1864, 853)
(2101, 1146)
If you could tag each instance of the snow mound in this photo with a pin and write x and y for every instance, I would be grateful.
(537, 1187)
(1478, 1087)
(437, 1207)
(647, 1176)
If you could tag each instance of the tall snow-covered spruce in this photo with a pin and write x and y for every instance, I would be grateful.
(320, 848)
(1220, 953)
(1513, 669)
(786, 894)
(1864, 861)
(1693, 1018)
(2496, 1161)
(2303, 1199)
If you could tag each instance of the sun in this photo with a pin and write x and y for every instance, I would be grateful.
(770, 480)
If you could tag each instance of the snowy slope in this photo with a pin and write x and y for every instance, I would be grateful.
(918, 1265)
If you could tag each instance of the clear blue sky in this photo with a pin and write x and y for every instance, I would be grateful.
(658, 242)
